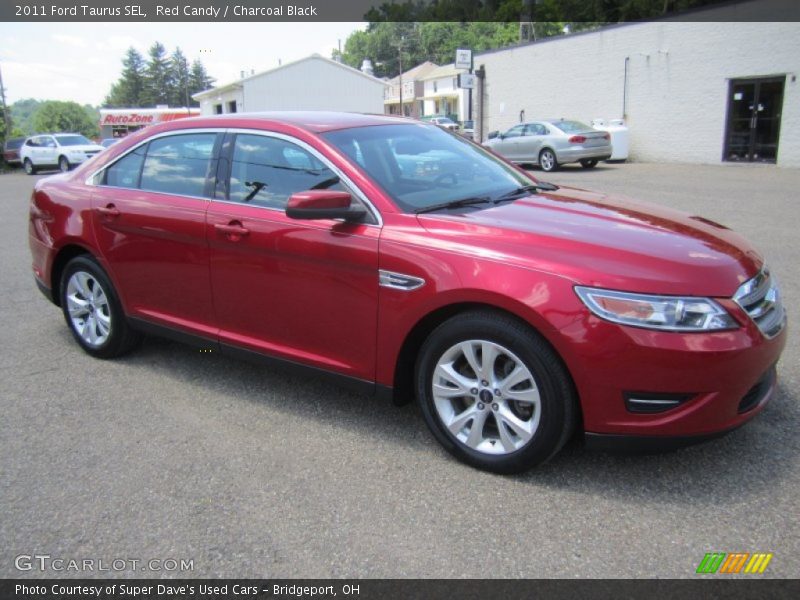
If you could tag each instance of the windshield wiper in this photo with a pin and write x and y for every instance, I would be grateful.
(456, 204)
(526, 189)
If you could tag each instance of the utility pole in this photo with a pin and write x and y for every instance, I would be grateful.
(6, 118)
(400, 62)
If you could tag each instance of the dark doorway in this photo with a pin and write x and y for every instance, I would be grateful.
(754, 119)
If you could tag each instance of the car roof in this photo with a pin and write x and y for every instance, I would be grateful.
(313, 121)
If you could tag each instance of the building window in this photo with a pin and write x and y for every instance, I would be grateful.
(218, 109)
(232, 106)
(435, 87)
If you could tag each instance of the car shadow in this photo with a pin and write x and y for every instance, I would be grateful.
(571, 168)
(741, 464)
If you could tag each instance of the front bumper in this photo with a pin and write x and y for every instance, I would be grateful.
(726, 378)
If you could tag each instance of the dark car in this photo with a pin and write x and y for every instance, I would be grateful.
(409, 262)
(11, 151)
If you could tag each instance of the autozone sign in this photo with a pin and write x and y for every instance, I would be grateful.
(131, 119)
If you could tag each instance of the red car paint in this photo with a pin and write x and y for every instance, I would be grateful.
(308, 291)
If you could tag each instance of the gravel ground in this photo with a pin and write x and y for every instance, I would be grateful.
(248, 471)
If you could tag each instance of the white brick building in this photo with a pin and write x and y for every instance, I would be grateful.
(311, 83)
(687, 90)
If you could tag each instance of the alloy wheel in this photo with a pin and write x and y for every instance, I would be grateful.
(486, 397)
(89, 309)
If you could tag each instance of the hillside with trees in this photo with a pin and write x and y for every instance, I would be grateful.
(433, 30)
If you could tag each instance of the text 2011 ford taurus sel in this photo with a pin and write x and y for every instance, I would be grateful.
(409, 261)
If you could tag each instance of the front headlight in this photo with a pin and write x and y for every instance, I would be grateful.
(668, 313)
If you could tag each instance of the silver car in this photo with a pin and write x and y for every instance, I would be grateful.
(553, 142)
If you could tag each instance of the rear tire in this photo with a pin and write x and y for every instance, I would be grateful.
(63, 164)
(28, 166)
(92, 310)
(589, 163)
(548, 161)
(494, 393)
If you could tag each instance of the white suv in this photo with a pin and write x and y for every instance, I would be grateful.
(62, 150)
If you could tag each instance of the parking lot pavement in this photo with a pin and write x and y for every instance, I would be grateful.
(248, 471)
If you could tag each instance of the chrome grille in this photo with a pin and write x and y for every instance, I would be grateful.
(760, 299)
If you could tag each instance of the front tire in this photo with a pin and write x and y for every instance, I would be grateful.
(494, 393)
(63, 164)
(28, 166)
(589, 163)
(92, 310)
(548, 161)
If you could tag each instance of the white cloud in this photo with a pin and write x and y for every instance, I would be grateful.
(70, 40)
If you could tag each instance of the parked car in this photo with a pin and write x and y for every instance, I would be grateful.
(105, 143)
(514, 311)
(62, 150)
(445, 123)
(551, 143)
(11, 150)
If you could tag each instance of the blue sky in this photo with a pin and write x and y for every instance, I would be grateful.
(80, 61)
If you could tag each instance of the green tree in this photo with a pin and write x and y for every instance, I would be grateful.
(22, 114)
(199, 80)
(128, 91)
(158, 80)
(55, 116)
(180, 74)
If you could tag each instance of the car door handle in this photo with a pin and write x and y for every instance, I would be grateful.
(233, 230)
(109, 211)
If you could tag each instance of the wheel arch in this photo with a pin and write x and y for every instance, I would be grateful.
(65, 254)
(403, 384)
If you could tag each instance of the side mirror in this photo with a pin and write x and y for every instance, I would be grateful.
(493, 134)
(323, 204)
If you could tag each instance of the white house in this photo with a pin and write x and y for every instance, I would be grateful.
(413, 90)
(707, 91)
(442, 96)
(311, 83)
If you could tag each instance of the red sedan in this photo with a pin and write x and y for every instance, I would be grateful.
(408, 261)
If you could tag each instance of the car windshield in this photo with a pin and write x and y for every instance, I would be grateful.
(571, 126)
(15, 143)
(420, 166)
(73, 140)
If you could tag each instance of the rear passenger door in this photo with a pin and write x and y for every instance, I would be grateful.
(149, 211)
(302, 290)
(531, 142)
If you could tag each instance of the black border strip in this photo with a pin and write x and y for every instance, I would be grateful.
(706, 586)
(371, 10)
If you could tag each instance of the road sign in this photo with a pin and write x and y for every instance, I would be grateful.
(463, 58)
(466, 81)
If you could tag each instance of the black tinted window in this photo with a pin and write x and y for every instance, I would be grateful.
(179, 164)
(265, 171)
(125, 172)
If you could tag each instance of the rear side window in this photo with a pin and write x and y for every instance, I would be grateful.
(179, 164)
(265, 171)
(125, 172)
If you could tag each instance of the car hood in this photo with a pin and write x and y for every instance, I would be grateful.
(83, 148)
(598, 241)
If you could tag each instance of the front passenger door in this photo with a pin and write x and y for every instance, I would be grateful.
(509, 145)
(302, 290)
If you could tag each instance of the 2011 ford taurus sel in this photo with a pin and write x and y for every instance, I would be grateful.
(411, 262)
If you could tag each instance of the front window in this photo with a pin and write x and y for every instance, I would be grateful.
(420, 166)
(266, 171)
(73, 140)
